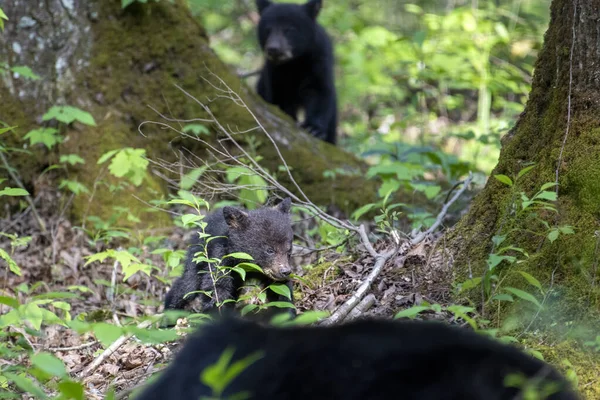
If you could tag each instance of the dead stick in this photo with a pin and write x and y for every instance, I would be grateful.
(362, 290)
(362, 307)
(380, 260)
(112, 348)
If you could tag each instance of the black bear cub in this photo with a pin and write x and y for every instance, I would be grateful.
(298, 69)
(265, 234)
(367, 359)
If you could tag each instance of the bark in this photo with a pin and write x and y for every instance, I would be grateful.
(559, 130)
(114, 63)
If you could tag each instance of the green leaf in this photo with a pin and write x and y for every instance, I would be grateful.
(308, 317)
(73, 186)
(71, 159)
(504, 179)
(188, 180)
(240, 256)
(566, 230)
(249, 267)
(132, 268)
(125, 3)
(411, 312)
(190, 219)
(26, 384)
(525, 170)
(523, 295)
(240, 271)
(13, 192)
(547, 185)
(363, 210)
(49, 364)
(131, 164)
(280, 304)
(9, 301)
(546, 195)
(503, 297)
(71, 389)
(219, 375)
(248, 308)
(553, 235)
(470, 283)
(25, 72)
(49, 137)
(32, 313)
(196, 129)
(106, 156)
(9, 128)
(154, 336)
(106, 333)
(68, 114)
(531, 280)
(281, 289)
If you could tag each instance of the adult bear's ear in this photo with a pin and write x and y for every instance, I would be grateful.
(235, 218)
(262, 4)
(313, 7)
(284, 206)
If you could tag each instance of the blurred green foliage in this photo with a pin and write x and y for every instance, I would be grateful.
(451, 75)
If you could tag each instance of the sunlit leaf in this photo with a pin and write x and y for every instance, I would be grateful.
(281, 289)
(49, 364)
(411, 312)
(523, 295)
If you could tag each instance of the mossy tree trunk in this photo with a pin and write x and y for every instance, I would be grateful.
(559, 131)
(115, 63)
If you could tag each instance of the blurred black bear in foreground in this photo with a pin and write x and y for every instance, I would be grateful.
(368, 359)
(265, 234)
(298, 70)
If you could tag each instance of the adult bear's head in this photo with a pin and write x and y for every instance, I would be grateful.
(287, 31)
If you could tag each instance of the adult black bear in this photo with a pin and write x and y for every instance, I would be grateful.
(298, 69)
(368, 359)
(265, 234)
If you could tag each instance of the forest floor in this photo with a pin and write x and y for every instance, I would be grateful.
(54, 262)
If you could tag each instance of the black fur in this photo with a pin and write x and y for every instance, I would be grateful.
(298, 70)
(368, 359)
(266, 234)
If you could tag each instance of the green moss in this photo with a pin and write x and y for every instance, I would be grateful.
(585, 363)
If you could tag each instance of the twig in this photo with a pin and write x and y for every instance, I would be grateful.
(362, 307)
(366, 242)
(380, 259)
(28, 199)
(564, 142)
(343, 310)
(419, 238)
(113, 347)
(81, 346)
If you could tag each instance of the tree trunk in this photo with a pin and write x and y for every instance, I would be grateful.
(559, 131)
(116, 63)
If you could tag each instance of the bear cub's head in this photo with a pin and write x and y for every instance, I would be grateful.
(286, 31)
(266, 234)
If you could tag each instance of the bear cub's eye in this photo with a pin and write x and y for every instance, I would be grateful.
(270, 251)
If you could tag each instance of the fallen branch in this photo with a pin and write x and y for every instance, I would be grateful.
(114, 347)
(362, 307)
(380, 259)
(81, 346)
(340, 314)
(419, 238)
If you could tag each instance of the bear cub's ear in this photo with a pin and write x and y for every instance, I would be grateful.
(262, 4)
(285, 205)
(313, 7)
(235, 218)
